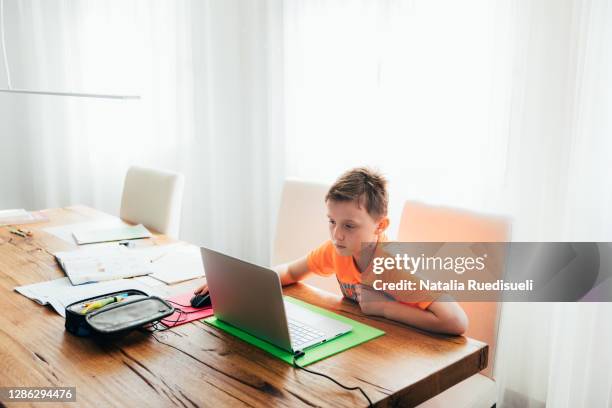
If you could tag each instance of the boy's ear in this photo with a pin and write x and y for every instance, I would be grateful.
(383, 225)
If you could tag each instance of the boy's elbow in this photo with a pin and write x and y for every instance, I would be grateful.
(457, 323)
(451, 319)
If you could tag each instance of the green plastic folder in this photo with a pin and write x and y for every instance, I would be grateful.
(360, 334)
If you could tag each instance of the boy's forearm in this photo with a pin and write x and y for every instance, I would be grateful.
(413, 316)
(284, 274)
(292, 272)
(424, 319)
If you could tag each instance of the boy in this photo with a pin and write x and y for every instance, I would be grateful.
(357, 211)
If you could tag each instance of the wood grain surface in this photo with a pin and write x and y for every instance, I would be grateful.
(197, 365)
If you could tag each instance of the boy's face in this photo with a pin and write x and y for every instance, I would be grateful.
(350, 225)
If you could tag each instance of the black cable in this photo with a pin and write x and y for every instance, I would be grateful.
(296, 355)
(164, 343)
(179, 318)
(177, 303)
(192, 311)
(181, 315)
(299, 354)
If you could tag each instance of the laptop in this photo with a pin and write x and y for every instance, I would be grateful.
(250, 298)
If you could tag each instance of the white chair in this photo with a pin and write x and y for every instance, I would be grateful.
(153, 198)
(301, 226)
(424, 223)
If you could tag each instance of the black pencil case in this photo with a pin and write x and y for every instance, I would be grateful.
(135, 309)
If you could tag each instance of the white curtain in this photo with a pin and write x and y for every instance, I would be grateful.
(210, 107)
(499, 107)
(558, 115)
(555, 355)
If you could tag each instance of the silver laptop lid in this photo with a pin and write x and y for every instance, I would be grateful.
(247, 296)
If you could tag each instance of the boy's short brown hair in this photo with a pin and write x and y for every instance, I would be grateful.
(362, 185)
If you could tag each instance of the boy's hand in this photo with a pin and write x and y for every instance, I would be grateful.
(201, 289)
(293, 271)
(371, 302)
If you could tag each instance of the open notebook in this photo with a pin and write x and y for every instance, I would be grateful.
(102, 264)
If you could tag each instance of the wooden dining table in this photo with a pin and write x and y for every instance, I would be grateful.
(196, 364)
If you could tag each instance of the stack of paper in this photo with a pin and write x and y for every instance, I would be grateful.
(19, 216)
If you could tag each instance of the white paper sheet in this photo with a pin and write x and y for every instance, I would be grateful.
(178, 264)
(13, 213)
(147, 280)
(16, 216)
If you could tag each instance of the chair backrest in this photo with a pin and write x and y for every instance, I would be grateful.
(425, 223)
(153, 198)
(301, 226)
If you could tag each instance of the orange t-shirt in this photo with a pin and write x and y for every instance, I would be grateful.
(326, 261)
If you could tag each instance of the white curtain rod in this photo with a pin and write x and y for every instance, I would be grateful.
(75, 94)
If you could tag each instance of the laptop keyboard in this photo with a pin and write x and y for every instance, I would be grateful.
(302, 334)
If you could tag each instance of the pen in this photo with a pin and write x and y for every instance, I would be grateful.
(101, 303)
(25, 231)
(18, 232)
(168, 251)
(157, 258)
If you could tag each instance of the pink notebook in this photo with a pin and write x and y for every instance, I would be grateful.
(188, 314)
